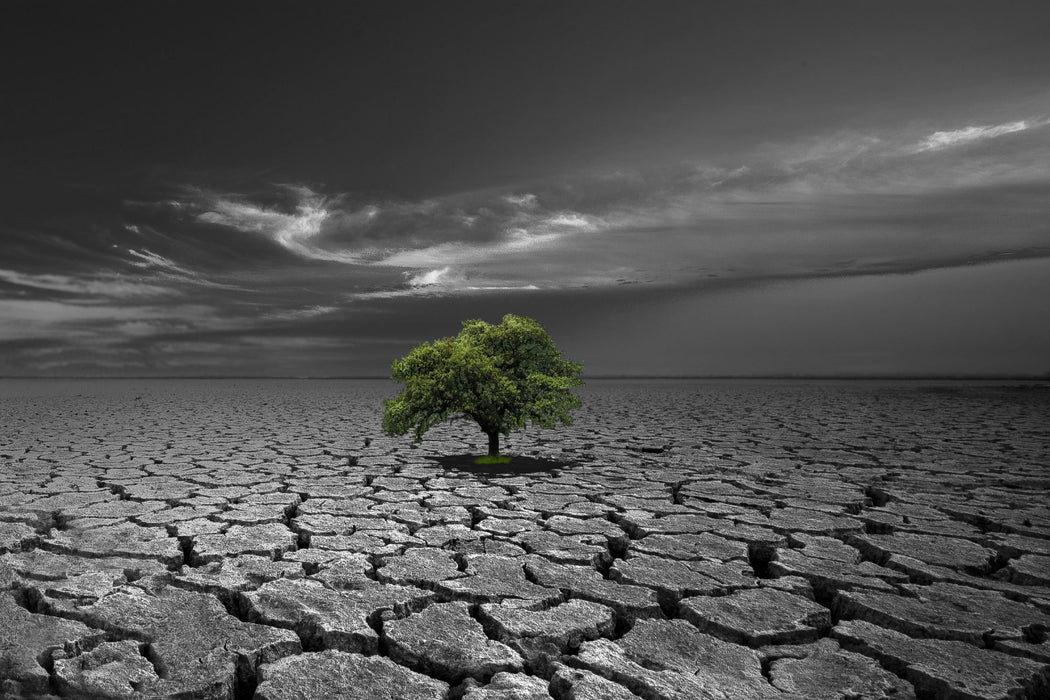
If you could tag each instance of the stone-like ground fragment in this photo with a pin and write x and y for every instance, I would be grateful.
(629, 602)
(510, 686)
(325, 618)
(541, 633)
(589, 550)
(691, 546)
(125, 540)
(15, 536)
(443, 640)
(1030, 570)
(579, 684)
(39, 567)
(26, 643)
(419, 566)
(810, 521)
(671, 659)
(945, 611)
(829, 575)
(758, 617)
(342, 676)
(948, 669)
(110, 670)
(194, 643)
(674, 579)
(226, 578)
(269, 540)
(492, 578)
(952, 552)
(823, 670)
(345, 570)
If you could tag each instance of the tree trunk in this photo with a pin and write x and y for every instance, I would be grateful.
(494, 443)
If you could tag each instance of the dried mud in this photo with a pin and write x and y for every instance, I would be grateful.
(239, 539)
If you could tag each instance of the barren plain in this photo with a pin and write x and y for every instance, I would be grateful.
(693, 539)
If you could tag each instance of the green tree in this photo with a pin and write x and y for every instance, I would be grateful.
(501, 376)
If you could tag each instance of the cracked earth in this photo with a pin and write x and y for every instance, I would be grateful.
(263, 539)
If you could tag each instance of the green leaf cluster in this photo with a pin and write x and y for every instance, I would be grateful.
(501, 376)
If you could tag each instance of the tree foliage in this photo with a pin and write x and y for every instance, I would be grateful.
(501, 376)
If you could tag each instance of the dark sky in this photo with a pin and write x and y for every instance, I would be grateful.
(288, 188)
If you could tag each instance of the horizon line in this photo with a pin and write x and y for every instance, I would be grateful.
(850, 377)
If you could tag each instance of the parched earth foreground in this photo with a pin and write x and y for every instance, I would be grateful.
(239, 539)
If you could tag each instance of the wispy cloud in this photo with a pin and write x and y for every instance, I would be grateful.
(840, 203)
(518, 234)
(464, 242)
(432, 277)
(448, 280)
(958, 137)
(100, 323)
(444, 281)
(146, 259)
(103, 284)
(302, 313)
(42, 318)
(297, 231)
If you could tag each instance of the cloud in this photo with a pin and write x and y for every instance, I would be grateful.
(103, 284)
(521, 232)
(99, 323)
(840, 203)
(169, 271)
(957, 137)
(444, 281)
(218, 268)
(430, 278)
(297, 231)
(525, 201)
(472, 241)
(145, 259)
(40, 318)
(448, 280)
(301, 313)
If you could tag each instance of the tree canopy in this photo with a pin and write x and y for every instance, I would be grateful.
(501, 376)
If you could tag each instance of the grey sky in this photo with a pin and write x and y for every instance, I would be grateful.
(679, 188)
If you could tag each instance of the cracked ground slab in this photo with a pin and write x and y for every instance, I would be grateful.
(243, 539)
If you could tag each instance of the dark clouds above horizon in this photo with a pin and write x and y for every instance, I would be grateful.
(758, 188)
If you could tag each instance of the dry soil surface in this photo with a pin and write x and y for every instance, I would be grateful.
(683, 540)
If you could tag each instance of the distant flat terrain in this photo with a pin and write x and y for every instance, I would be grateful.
(684, 539)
